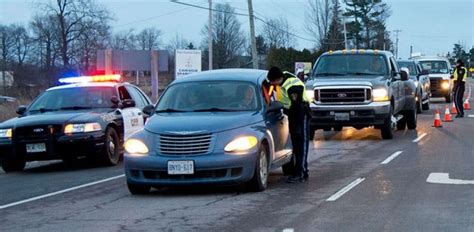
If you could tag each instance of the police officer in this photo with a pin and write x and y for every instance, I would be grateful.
(296, 106)
(459, 76)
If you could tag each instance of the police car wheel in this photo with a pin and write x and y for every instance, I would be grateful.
(111, 153)
(13, 164)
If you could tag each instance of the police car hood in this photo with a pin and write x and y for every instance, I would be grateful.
(55, 118)
(200, 122)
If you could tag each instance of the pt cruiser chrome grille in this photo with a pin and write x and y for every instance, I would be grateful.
(185, 144)
(343, 95)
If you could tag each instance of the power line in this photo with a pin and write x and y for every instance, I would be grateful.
(154, 17)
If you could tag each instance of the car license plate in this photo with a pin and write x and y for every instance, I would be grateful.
(341, 116)
(35, 147)
(180, 167)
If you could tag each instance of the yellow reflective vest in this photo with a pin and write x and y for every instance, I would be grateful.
(283, 95)
(463, 77)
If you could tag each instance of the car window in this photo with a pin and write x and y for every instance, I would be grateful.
(409, 65)
(365, 64)
(124, 94)
(140, 102)
(199, 96)
(435, 66)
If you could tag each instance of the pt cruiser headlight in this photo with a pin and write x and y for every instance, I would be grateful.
(379, 95)
(135, 147)
(6, 133)
(82, 128)
(244, 143)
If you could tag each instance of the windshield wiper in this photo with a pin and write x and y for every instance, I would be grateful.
(215, 109)
(75, 108)
(365, 73)
(42, 110)
(331, 74)
(169, 110)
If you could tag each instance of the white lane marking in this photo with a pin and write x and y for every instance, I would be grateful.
(289, 230)
(392, 157)
(60, 192)
(420, 137)
(471, 116)
(345, 189)
(443, 178)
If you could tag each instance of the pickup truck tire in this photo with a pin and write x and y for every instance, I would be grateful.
(419, 103)
(411, 119)
(401, 124)
(449, 98)
(386, 129)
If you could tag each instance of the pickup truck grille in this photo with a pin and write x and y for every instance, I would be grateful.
(435, 83)
(185, 144)
(343, 95)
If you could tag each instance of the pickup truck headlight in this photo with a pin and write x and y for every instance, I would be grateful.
(379, 95)
(445, 85)
(6, 133)
(82, 128)
(136, 147)
(240, 144)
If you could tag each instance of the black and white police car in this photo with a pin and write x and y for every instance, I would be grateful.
(88, 116)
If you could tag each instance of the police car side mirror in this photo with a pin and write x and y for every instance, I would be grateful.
(128, 103)
(21, 110)
(148, 110)
(115, 101)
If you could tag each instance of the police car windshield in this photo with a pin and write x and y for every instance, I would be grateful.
(435, 67)
(350, 64)
(73, 99)
(216, 96)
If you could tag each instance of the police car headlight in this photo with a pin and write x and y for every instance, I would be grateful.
(379, 95)
(240, 144)
(82, 128)
(310, 94)
(6, 133)
(135, 147)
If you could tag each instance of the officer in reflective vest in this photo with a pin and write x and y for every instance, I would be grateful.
(459, 76)
(292, 95)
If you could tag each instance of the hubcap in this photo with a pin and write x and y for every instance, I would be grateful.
(263, 168)
(111, 146)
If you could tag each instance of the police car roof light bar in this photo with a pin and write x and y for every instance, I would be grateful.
(87, 79)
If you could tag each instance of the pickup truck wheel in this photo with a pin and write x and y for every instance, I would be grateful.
(426, 106)
(419, 103)
(13, 164)
(386, 128)
(401, 124)
(411, 118)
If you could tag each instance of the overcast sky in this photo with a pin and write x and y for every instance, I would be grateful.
(430, 26)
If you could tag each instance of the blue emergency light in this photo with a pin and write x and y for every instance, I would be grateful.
(88, 79)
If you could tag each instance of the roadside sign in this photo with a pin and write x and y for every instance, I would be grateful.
(187, 62)
(306, 66)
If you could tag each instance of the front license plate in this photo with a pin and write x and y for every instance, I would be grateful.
(341, 116)
(35, 147)
(180, 167)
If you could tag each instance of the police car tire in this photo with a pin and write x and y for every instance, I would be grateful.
(257, 184)
(111, 158)
(449, 98)
(13, 164)
(138, 189)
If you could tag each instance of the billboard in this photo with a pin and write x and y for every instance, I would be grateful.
(187, 62)
(306, 66)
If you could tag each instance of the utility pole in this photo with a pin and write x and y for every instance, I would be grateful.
(210, 40)
(344, 26)
(411, 50)
(396, 35)
(253, 40)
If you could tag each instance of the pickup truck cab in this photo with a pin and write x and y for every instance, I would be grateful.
(439, 70)
(361, 88)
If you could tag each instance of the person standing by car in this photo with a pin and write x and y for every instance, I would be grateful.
(459, 76)
(296, 106)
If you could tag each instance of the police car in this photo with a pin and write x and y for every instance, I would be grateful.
(87, 116)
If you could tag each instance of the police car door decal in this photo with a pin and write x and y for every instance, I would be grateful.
(132, 121)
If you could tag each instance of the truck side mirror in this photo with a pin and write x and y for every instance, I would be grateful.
(21, 110)
(404, 75)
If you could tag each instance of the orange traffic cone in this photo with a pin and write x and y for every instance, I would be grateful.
(437, 119)
(453, 109)
(467, 106)
(447, 115)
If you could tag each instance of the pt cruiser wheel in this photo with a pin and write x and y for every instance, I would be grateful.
(260, 176)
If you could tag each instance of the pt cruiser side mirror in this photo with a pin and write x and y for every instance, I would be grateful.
(148, 110)
(274, 107)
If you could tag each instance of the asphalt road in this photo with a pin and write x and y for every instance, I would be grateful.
(421, 180)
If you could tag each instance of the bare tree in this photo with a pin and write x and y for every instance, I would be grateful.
(6, 49)
(318, 19)
(148, 38)
(22, 43)
(123, 40)
(276, 33)
(44, 35)
(71, 17)
(88, 43)
(228, 38)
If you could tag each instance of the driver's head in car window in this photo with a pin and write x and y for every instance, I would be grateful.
(377, 65)
(246, 93)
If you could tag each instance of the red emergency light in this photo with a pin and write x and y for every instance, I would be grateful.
(87, 79)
